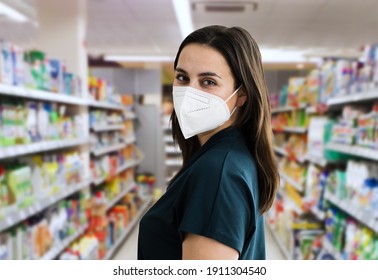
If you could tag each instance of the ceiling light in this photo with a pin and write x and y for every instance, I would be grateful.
(139, 58)
(12, 13)
(184, 16)
(283, 56)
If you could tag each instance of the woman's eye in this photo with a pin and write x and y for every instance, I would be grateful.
(181, 78)
(209, 83)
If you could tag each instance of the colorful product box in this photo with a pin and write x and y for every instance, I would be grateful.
(6, 65)
(56, 75)
(18, 66)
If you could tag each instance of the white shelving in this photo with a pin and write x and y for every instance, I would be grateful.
(352, 98)
(280, 150)
(105, 150)
(354, 150)
(130, 139)
(173, 162)
(18, 215)
(130, 115)
(101, 128)
(279, 242)
(39, 147)
(105, 105)
(172, 150)
(288, 109)
(58, 248)
(120, 196)
(299, 130)
(366, 218)
(15, 91)
(316, 159)
(318, 213)
(331, 249)
(127, 165)
(292, 182)
(128, 230)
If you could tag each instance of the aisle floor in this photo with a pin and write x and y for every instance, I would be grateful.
(129, 249)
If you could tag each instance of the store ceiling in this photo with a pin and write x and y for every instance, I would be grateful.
(150, 26)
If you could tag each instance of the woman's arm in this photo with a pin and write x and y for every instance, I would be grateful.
(196, 247)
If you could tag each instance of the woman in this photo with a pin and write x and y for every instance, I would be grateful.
(213, 207)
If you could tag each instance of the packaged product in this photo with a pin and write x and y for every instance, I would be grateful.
(18, 66)
(6, 64)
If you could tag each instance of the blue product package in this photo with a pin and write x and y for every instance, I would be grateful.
(6, 66)
(68, 83)
(56, 74)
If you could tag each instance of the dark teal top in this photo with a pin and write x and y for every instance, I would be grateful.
(215, 195)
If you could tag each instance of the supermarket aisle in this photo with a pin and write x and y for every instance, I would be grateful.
(129, 250)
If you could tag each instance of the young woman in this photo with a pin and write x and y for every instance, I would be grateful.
(213, 208)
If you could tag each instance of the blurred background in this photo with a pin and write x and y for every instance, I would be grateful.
(85, 138)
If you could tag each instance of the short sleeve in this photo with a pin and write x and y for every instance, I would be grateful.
(220, 207)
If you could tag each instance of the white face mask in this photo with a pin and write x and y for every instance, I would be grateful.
(198, 111)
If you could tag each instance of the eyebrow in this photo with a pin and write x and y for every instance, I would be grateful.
(200, 74)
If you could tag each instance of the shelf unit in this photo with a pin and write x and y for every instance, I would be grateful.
(365, 218)
(285, 251)
(128, 230)
(39, 147)
(58, 248)
(18, 215)
(173, 157)
(20, 92)
(12, 216)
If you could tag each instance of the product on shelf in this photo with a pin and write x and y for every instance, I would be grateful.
(102, 90)
(33, 69)
(23, 122)
(106, 226)
(36, 236)
(350, 239)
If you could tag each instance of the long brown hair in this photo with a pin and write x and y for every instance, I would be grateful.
(244, 59)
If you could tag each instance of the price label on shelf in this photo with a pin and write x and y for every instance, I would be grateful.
(9, 220)
(22, 215)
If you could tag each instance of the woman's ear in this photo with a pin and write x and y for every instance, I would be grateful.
(242, 97)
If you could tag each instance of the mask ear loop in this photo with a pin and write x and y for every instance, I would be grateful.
(233, 110)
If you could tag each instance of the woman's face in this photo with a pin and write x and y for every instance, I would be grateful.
(204, 68)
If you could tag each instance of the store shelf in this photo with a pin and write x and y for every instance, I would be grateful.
(105, 150)
(352, 98)
(316, 159)
(20, 92)
(173, 162)
(279, 242)
(101, 128)
(130, 115)
(167, 127)
(318, 213)
(57, 249)
(120, 196)
(128, 230)
(172, 150)
(290, 203)
(127, 165)
(105, 105)
(168, 139)
(292, 182)
(39, 147)
(290, 129)
(287, 109)
(364, 218)
(280, 150)
(130, 139)
(331, 249)
(18, 215)
(353, 150)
